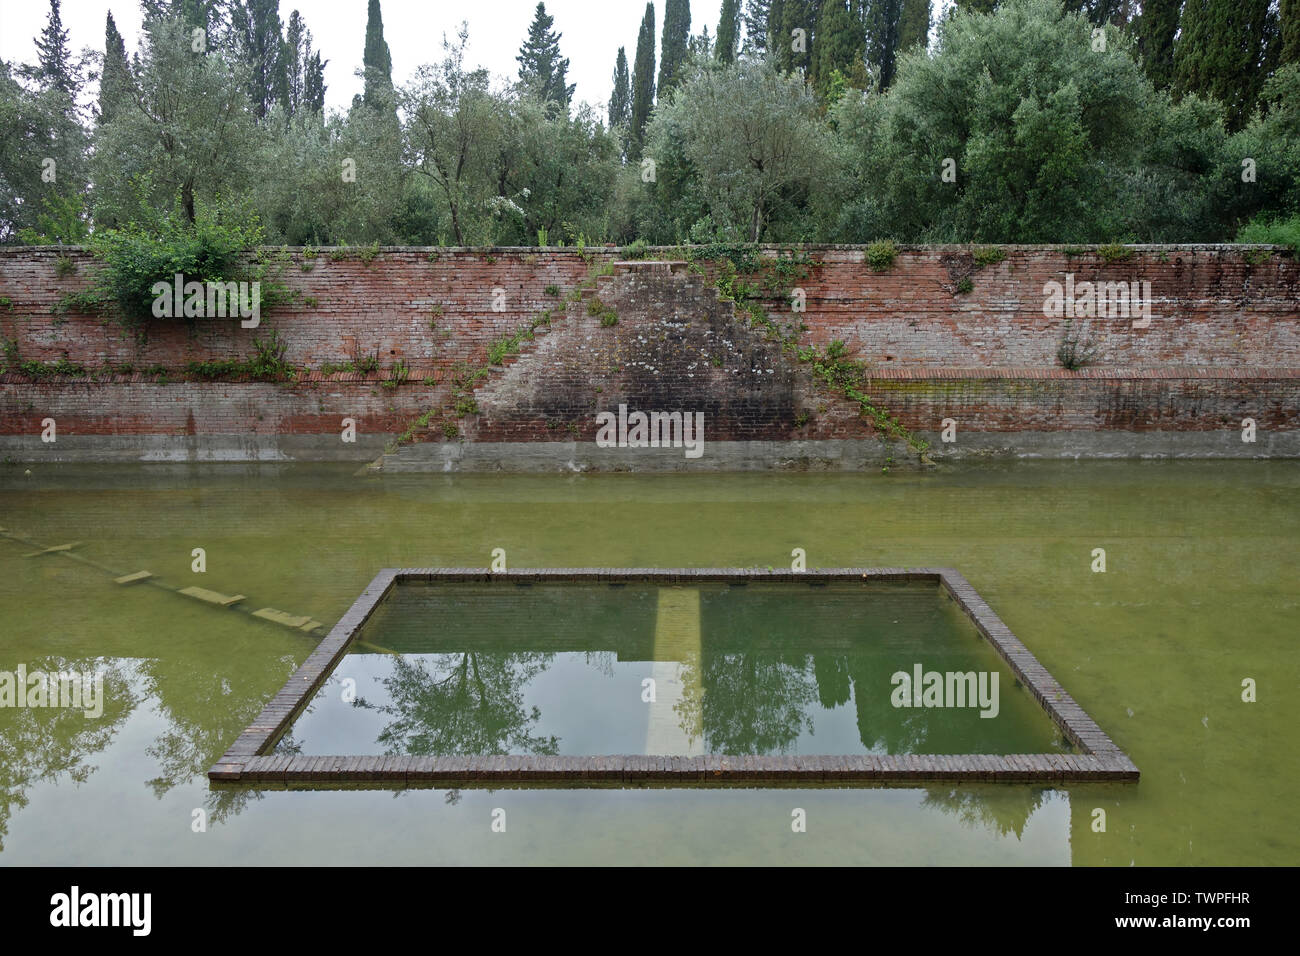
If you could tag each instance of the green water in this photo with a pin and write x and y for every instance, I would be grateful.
(559, 669)
(1199, 593)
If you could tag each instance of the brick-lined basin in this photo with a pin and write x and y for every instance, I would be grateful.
(248, 760)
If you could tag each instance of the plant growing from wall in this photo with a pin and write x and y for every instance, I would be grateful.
(1114, 252)
(881, 255)
(133, 259)
(266, 364)
(397, 375)
(606, 313)
(1075, 349)
(848, 376)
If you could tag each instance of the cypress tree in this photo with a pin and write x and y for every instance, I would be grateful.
(1290, 39)
(263, 51)
(1155, 36)
(377, 62)
(643, 81)
(840, 44)
(53, 59)
(786, 16)
(115, 81)
(540, 66)
(294, 56)
(882, 21)
(976, 6)
(676, 37)
(728, 31)
(913, 24)
(756, 30)
(313, 85)
(1118, 12)
(1225, 50)
(620, 103)
(701, 45)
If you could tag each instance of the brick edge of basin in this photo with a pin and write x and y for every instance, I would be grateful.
(247, 760)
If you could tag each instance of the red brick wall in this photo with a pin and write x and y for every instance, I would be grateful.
(1224, 343)
(1211, 307)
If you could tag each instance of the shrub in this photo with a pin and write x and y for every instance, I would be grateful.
(881, 254)
(1114, 252)
(135, 258)
(1278, 232)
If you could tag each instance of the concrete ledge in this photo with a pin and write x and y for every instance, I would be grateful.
(843, 455)
(97, 449)
(835, 454)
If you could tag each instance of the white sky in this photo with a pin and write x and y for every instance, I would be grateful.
(591, 33)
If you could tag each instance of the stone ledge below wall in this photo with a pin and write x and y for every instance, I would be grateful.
(832, 454)
(536, 457)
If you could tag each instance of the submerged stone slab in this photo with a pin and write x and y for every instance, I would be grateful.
(212, 597)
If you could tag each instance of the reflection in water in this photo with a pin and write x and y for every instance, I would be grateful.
(781, 669)
(1001, 810)
(881, 726)
(41, 744)
(756, 703)
(475, 707)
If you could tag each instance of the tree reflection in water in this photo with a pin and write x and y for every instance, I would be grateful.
(756, 703)
(39, 745)
(1000, 810)
(467, 703)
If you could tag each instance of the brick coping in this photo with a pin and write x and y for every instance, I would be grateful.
(16, 250)
(248, 760)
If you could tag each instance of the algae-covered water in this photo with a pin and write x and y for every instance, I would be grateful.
(1199, 593)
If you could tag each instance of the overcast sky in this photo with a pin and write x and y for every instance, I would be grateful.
(591, 33)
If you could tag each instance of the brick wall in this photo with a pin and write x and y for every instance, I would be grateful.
(1223, 344)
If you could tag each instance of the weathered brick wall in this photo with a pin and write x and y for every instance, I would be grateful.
(1172, 399)
(1211, 307)
(1223, 344)
(136, 405)
(418, 306)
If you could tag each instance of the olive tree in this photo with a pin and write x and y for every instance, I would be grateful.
(750, 141)
(187, 132)
(1021, 127)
